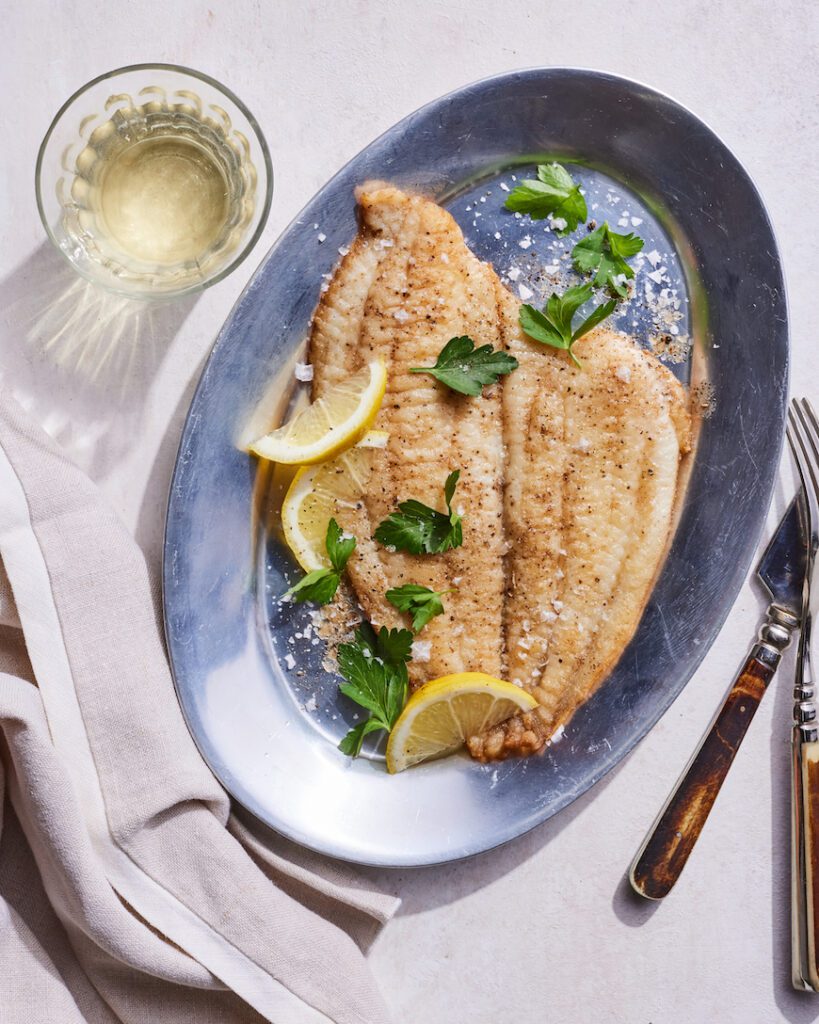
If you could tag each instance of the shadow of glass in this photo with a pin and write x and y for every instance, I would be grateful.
(149, 528)
(82, 360)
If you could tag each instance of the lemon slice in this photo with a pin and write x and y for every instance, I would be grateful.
(316, 494)
(331, 424)
(439, 717)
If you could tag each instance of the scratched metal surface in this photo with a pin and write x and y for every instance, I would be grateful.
(267, 723)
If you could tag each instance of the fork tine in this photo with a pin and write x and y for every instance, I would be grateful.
(808, 436)
(802, 450)
(808, 413)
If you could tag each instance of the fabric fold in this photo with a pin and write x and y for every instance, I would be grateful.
(101, 762)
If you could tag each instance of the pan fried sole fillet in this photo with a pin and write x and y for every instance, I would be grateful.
(591, 475)
(568, 476)
(406, 287)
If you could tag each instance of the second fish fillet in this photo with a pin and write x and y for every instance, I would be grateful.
(593, 459)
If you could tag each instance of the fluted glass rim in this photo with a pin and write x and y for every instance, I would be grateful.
(201, 76)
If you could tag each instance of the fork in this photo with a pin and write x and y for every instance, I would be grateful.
(803, 437)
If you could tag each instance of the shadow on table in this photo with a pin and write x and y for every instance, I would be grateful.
(424, 889)
(82, 360)
(630, 908)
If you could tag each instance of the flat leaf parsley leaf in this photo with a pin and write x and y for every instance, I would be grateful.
(420, 602)
(320, 585)
(422, 530)
(554, 192)
(554, 325)
(466, 369)
(606, 252)
(374, 667)
(390, 645)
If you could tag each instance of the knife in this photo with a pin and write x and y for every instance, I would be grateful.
(671, 838)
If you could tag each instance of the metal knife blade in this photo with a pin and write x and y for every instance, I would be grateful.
(783, 565)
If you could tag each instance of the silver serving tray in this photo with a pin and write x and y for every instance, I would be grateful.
(268, 730)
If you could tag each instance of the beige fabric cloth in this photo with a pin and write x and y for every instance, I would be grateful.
(127, 892)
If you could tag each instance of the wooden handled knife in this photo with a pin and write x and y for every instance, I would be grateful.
(671, 839)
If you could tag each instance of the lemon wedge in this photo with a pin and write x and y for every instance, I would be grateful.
(331, 424)
(444, 712)
(316, 494)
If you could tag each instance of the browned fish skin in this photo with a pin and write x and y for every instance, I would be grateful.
(408, 285)
(568, 476)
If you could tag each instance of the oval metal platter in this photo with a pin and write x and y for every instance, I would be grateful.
(249, 672)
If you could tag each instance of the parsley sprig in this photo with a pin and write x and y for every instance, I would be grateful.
(604, 252)
(466, 369)
(374, 667)
(554, 325)
(554, 193)
(420, 602)
(422, 530)
(320, 585)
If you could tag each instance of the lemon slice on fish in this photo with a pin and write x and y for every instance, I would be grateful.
(444, 712)
(330, 424)
(316, 494)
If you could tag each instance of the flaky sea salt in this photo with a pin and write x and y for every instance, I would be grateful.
(513, 273)
(525, 242)
(321, 237)
(623, 373)
(420, 650)
(525, 293)
(290, 661)
(303, 372)
(401, 315)
(311, 704)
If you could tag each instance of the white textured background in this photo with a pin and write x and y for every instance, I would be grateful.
(545, 929)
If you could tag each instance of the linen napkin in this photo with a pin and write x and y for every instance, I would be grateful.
(128, 893)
